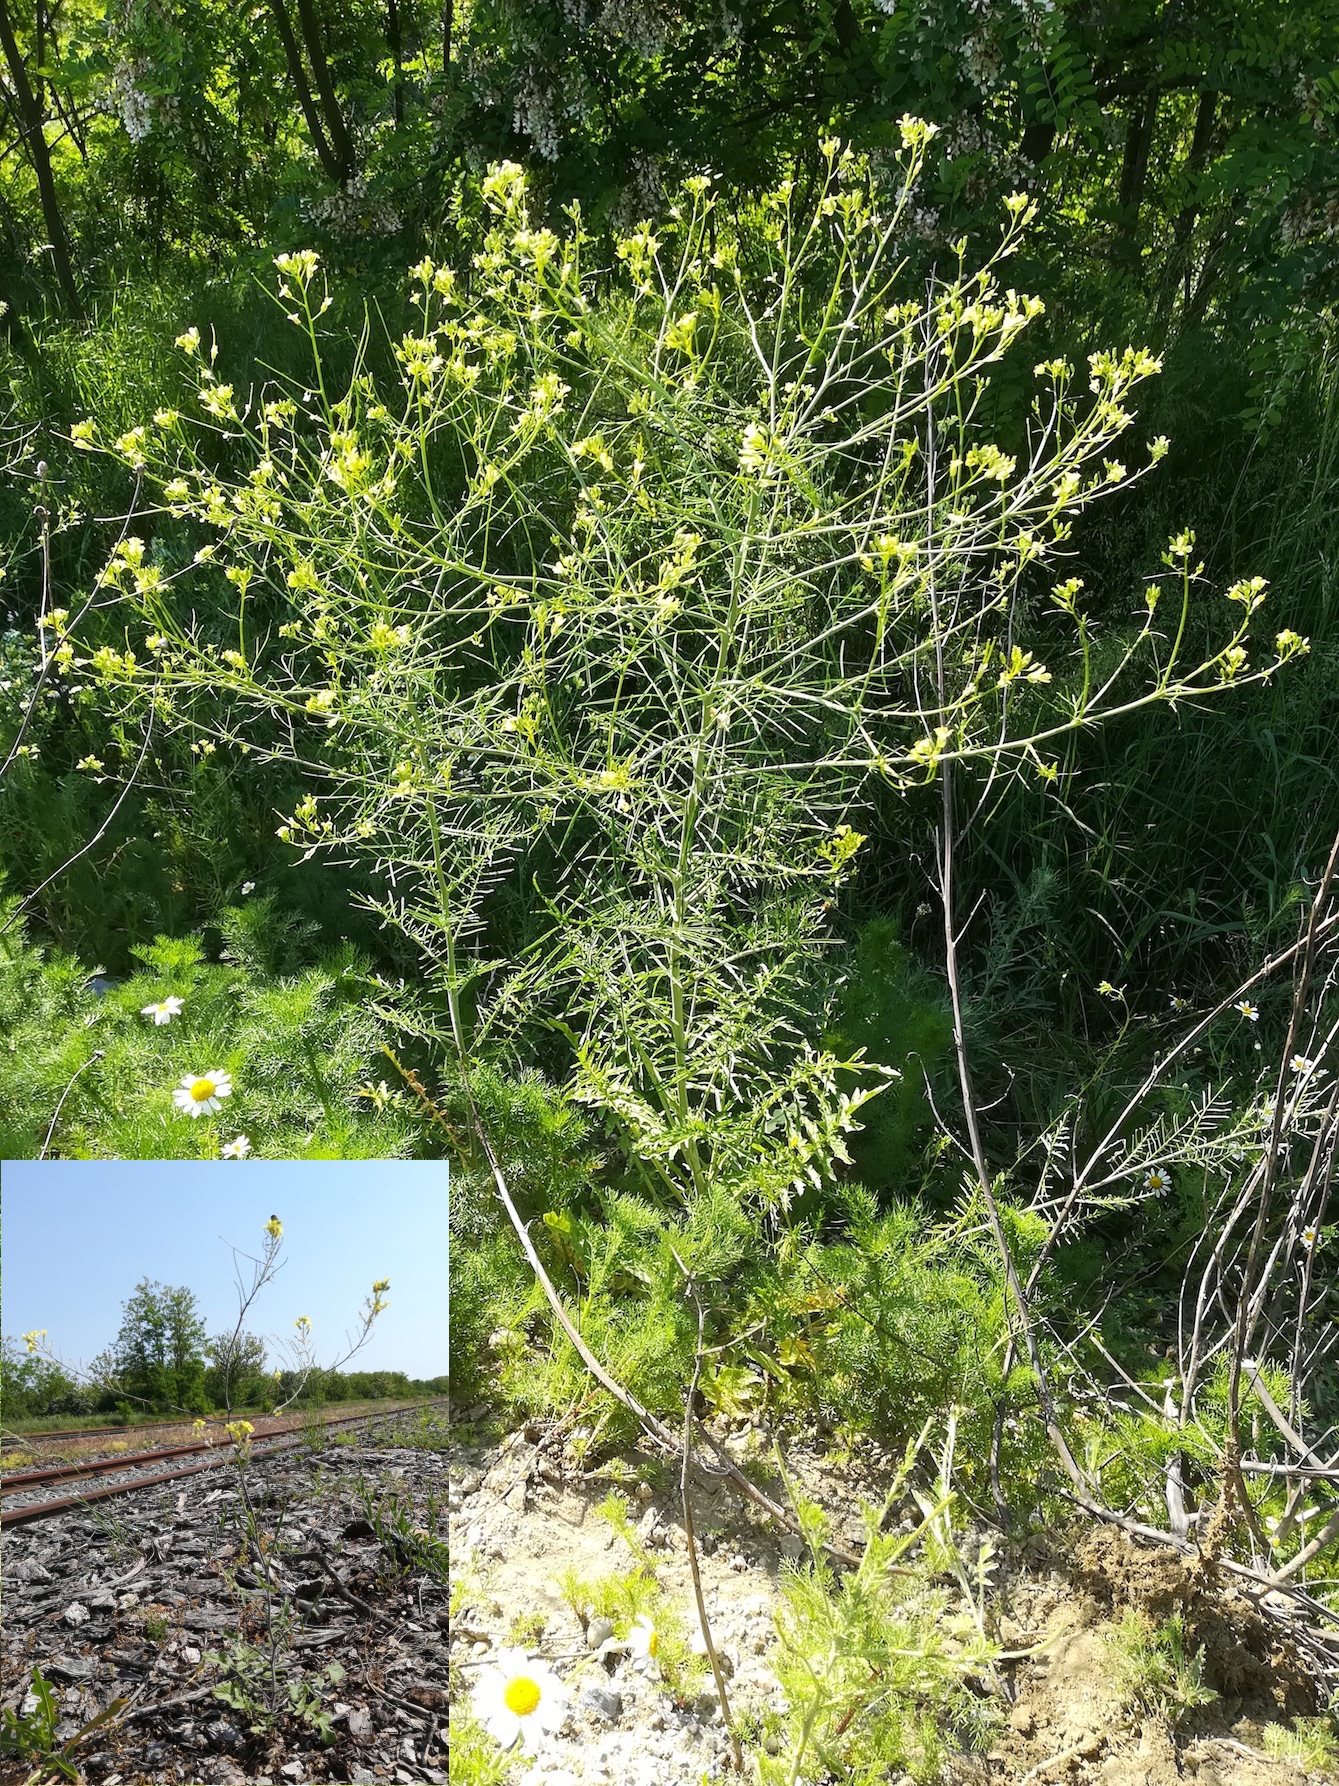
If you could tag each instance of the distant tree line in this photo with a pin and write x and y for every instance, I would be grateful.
(164, 1360)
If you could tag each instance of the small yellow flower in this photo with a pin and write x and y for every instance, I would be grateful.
(33, 1340)
(755, 449)
(274, 1228)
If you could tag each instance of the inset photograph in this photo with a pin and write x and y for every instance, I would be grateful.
(224, 1472)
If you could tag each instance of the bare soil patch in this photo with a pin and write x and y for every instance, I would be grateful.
(522, 1514)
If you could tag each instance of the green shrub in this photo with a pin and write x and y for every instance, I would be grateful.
(100, 1076)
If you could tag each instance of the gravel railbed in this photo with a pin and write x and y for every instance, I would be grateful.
(128, 1597)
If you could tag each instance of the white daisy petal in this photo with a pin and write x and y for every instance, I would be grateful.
(200, 1096)
(164, 1012)
(520, 1700)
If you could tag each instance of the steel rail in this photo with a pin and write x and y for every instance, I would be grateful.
(99, 1466)
(16, 1516)
(19, 1441)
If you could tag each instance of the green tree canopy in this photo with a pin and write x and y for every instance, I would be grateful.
(160, 1347)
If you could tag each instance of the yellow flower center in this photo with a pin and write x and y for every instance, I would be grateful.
(653, 1642)
(521, 1695)
(202, 1089)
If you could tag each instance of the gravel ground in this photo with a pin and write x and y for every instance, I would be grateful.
(127, 1598)
(519, 1520)
(521, 1516)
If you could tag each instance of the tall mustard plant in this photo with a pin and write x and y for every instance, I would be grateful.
(629, 591)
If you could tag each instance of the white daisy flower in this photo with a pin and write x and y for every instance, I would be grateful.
(248, 887)
(520, 1700)
(200, 1097)
(1157, 1180)
(644, 1643)
(238, 1149)
(1300, 1064)
(1249, 1011)
(163, 1013)
(1180, 1004)
(1310, 1236)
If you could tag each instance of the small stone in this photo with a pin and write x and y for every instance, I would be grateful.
(127, 1601)
(360, 1723)
(223, 1734)
(1022, 1720)
(292, 1770)
(1088, 1743)
(645, 1493)
(604, 1702)
(190, 1655)
(597, 1632)
(407, 1750)
(76, 1615)
(771, 1742)
(32, 1572)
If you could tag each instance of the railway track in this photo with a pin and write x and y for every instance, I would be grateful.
(139, 1472)
(170, 1424)
(27, 1441)
(140, 1429)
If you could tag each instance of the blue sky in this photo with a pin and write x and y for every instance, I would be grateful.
(76, 1236)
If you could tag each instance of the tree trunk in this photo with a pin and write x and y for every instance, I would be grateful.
(1038, 140)
(1205, 116)
(448, 26)
(336, 129)
(34, 134)
(1134, 172)
(293, 56)
(1177, 270)
(394, 39)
